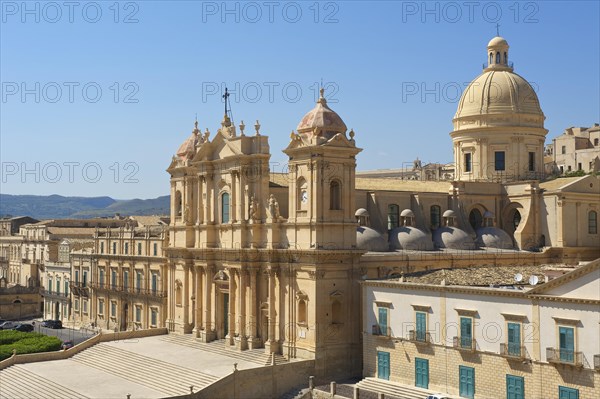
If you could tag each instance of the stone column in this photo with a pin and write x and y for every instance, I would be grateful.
(186, 297)
(271, 344)
(198, 325)
(229, 338)
(242, 327)
(253, 340)
(207, 334)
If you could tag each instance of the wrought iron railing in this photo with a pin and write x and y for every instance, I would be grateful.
(464, 343)
(419, 336)
(564, 356)
(516, 351)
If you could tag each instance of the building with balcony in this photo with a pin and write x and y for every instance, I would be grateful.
(125, 285)
(576, 149)
(488, 332)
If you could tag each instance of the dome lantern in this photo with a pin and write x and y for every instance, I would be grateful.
(497, 55)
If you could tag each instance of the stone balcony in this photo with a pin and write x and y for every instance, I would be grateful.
(563, 356)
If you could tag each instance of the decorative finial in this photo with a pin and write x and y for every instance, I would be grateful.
(322, 91)
(292, 135)
(257, 127)
(206, 135)
(242, 127)
(497, 29)
(226, 97)
(351, 134)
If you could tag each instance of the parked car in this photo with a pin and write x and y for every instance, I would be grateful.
(24, 327)
(45, 322)
(438, 396)
(8, 325)
(67, 344)
(57, 324)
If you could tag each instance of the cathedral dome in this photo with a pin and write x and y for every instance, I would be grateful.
(493, 237)
(323, 119)
(410, 238)
(498, 97)
(370, 240)
(453, 238)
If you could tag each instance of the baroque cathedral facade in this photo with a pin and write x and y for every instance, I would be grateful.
(265, 260)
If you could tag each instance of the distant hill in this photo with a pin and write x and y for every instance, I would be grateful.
(59, 207)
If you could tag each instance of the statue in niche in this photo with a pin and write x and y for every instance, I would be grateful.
(253, 209)
(274, 207)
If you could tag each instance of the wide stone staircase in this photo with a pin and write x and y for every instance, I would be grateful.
(393, 390)
(161, 376)
(16, 382)
(218, 347)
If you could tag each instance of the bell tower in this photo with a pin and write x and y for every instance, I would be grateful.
(322, 164)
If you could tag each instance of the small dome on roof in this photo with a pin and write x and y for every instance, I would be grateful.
(494, 237)
(361, 212)
(410, 238)
(370, 240)
(407, 213)
(497, 41)
(322, 118)
(449, 214)
(452, 238)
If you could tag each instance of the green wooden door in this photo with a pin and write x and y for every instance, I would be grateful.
(567, 344)
(422, 373)
(225, 314)
(515, 387)
(383, 365)
(514, 339)
(467, 381)
(567, 393)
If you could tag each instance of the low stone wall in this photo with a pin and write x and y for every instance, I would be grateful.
(65, 354)
(261, 382)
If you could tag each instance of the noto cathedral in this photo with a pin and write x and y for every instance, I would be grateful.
(266, 260)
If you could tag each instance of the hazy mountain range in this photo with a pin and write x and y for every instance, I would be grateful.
(59, 207)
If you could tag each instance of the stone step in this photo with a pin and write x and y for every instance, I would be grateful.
(393, 390)
(152, 373)
(252, 355)
(17, 382)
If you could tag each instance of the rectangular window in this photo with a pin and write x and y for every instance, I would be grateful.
(567, 393)
(66, 288)
(466, 332)
(225, 208)
(567, 344)
(77, 304)
(153, 317)
(514, 339)
(125, 280)
(383, 321)
(421, 330)
(100, 307)
(85, 278)
(139, 248)
(101, 247)
(138, 314)
(154, 283)
(126, 248)
(468, 163)
(113, 309)
(49, 285)
(114, 249)
(155, 249)
(515, 387)
(101, 278)
(579, 166)
(138, 281)
(532, 161)
(113, 279)
(77, 277)
(58, 286)
(563, 149)
(592, 222)
(499, 160)
(85, 303)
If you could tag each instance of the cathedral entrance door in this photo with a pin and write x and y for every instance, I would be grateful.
(225, 315)
(124, 317)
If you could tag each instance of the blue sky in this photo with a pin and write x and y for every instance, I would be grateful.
(96, 98)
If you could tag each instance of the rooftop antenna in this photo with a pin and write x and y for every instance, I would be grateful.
(228, 105)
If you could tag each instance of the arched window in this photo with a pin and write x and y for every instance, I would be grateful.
(302, 311)
(593, 222)
(475, 219)
(434, 215)
(497, 57)
(393, 216)
(335, 195)
(506, 58)
(178, 203)
(336, 312)
(225, 208)
(516, 219)
(491, 58)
